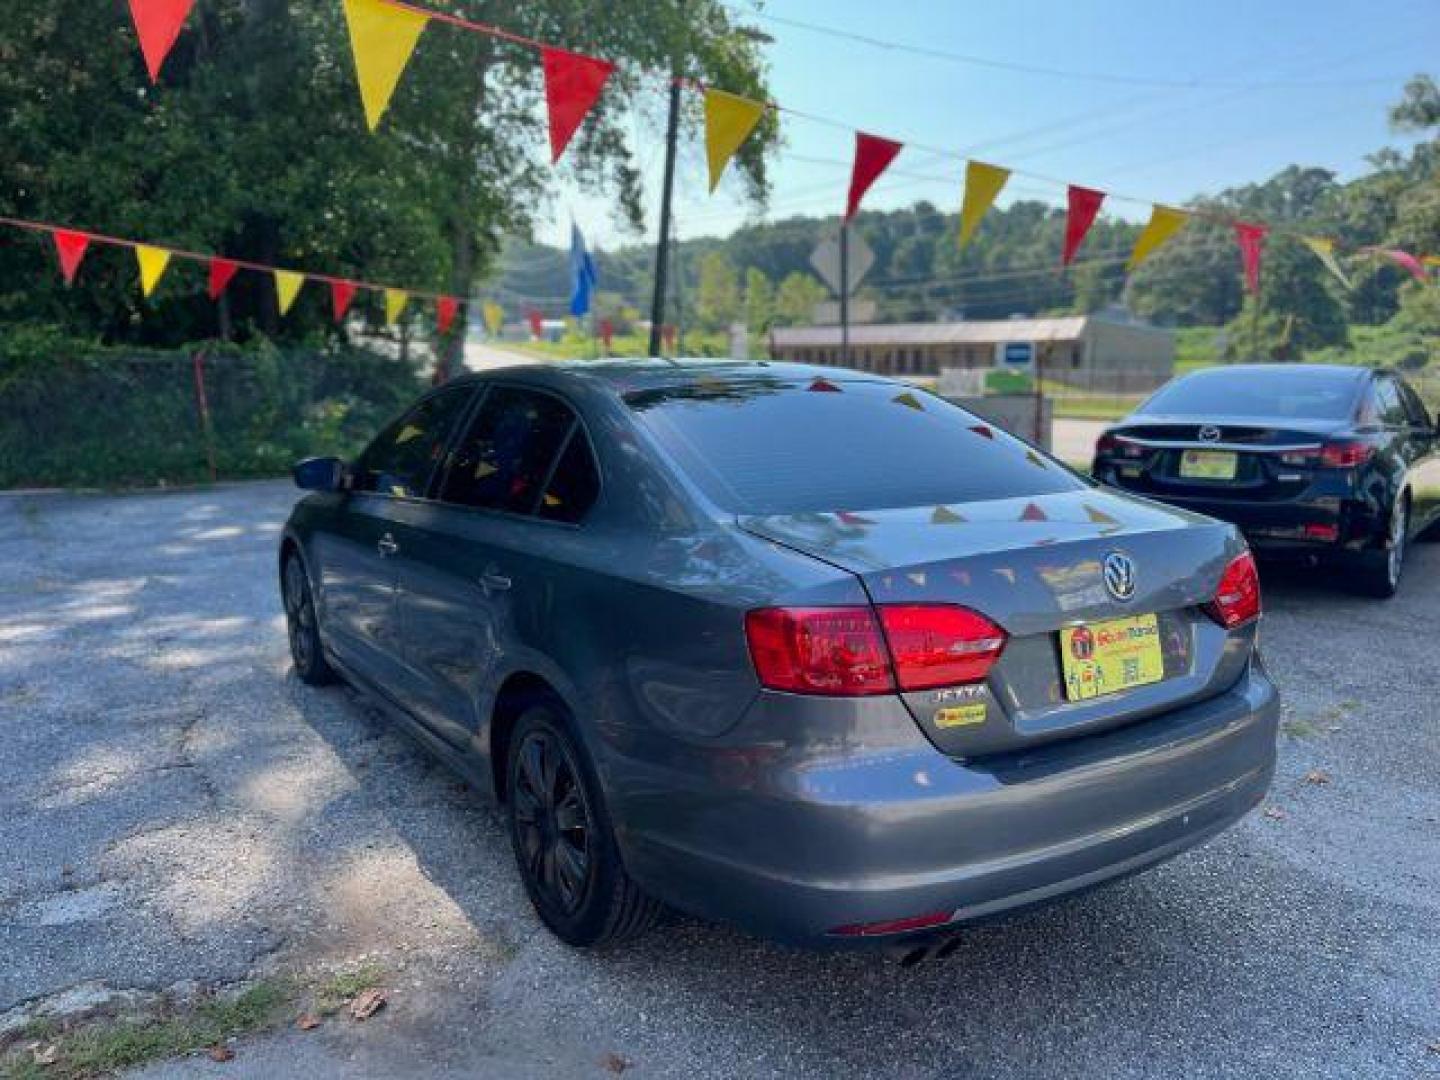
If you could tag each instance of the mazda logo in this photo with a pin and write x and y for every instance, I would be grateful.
(1209, 434)
(1119, 575)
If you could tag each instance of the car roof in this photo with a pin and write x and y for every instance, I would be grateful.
(624, 376)
(1354, 371)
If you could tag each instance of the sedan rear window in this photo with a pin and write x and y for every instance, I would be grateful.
(1258, 392)
(780, 447)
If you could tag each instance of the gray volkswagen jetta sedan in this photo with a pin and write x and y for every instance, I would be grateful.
(809, 651)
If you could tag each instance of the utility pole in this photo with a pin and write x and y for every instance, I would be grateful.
(662, 247)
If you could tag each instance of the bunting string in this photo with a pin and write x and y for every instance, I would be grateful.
(152, 260)
(384, 34)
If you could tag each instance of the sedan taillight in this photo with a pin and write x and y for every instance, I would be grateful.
(1117, 446)
(861, 651)
(1332, 455)
(1237, 599)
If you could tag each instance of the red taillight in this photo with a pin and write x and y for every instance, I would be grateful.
(1345, 455)
(1335, 455)
(1115, 446)
(1237, 600)
(836, 650)
(940, 644)
(843, 651)
(1325, 533)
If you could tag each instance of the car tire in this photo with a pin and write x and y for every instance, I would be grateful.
(1379, 571)
(303, 625)
(563, 839)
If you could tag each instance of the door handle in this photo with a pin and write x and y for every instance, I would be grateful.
(491, 581)
(387, 546)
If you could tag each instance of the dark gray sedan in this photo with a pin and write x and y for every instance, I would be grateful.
(809, 651)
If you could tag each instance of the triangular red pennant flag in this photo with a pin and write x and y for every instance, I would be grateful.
(157, 24)
(446, 308)
(852, 519)
(1033, 513)
(607, 332)
(873, 156)
(1251, 239)
(823, 386)
(981, 429)
(537, 322)
(1084, 206)
(342, 295)
(71, 248)
(221, 271)
(572, 86)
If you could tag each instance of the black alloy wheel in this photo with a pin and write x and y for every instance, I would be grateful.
(302, 626)
(564, 844)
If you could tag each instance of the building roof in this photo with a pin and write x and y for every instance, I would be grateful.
(968, 332)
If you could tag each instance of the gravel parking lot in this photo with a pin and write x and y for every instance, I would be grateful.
(176, 808)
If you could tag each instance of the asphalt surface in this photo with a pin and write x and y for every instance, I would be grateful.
(176, 808)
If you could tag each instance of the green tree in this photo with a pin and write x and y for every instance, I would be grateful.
(717, 301)
(1298, 312)
(759, 301)
(254, 145)
(796, 298)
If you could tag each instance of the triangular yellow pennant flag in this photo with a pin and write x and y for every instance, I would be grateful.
(1164, 223)
(287, 287)
(909, 400)
(494, 317)
(982, 183)
(395, 301)
(1099, 517)
(1324, 250)
(943, 515)
(729, 120)
(152, 262)
(382, 36)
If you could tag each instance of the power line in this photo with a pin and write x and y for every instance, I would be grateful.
(1037, 69)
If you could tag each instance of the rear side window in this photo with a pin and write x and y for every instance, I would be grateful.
(503, 462)
(1388, 406)
(401, 458)
(772, 447)
(574, 484)
(1414, 407)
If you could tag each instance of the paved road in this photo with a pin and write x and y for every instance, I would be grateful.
(175, 806)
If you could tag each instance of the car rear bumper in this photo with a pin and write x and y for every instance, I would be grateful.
(793, 846)
(1279, 527)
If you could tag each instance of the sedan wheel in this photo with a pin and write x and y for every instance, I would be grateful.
(564, 846)
(1379, 573)
(302, 626)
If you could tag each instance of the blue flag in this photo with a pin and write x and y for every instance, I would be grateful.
(582, 274)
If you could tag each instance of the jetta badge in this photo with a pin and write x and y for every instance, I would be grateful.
(1120, 575)
(1209, 433)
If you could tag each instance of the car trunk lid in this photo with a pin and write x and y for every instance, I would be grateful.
(1035, 566)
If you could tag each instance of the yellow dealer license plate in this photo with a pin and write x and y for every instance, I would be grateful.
(1208, 465)
(1107, 657)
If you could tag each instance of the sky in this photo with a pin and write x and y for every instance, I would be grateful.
(1157, 100)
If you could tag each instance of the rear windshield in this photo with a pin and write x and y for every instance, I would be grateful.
(781, 447)
(1316, 395)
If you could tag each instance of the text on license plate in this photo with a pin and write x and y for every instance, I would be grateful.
(1107, 657)
(1208, 465)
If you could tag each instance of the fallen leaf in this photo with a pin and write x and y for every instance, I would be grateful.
(1275, 813)
(308, 1022)
(221, 1052)
(1317, 776)
(46, 1055)
(615, 1063)
(367, 1003)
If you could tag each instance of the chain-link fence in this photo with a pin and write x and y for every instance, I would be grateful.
(122, 418)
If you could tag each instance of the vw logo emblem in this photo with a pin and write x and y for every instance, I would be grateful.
(1209, 433)
(1119, 575)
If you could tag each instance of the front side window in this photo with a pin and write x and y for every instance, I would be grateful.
(504, 460)
(1415, 412)
(1388, 406)
(401, 458)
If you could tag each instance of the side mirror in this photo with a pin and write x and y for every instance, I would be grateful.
(319, 474)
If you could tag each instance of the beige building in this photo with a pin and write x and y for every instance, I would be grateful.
(1108, 347)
